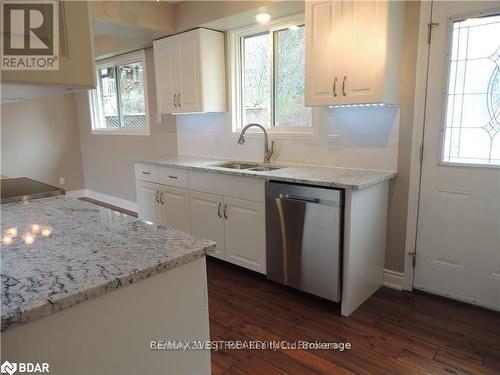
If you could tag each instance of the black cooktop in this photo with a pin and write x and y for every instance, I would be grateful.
(23, 188)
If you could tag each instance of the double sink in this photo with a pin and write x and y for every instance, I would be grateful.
(247, 166)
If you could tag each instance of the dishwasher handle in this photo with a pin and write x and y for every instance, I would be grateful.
(297, 198)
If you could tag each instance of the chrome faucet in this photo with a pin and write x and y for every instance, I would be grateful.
(268, 151)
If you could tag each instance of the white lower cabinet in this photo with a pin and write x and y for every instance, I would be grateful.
(236, 225)
(228, 210)
(207, 220)
(147, 202)
(163, 205)
(245, 233)
(175, 208)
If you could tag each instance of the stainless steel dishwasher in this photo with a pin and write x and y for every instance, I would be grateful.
(303, 231)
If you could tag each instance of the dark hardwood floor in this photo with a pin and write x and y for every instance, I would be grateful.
(391, 333)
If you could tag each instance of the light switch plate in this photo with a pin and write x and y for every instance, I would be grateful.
(62, 181)
(334, 142)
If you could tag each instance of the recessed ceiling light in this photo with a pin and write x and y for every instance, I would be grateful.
(263, 17)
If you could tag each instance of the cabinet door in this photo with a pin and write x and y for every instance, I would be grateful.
(207, 220)
(189, 62)
(165, 56)
(363, 51)
(245, 234)
(175, 208)
(323, 52)
(148, 206)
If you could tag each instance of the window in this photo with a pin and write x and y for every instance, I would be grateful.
(268, 77)
(119, 103)
(472, 110)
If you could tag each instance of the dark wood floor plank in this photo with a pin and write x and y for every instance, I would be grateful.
(460, 363)
(428, 365)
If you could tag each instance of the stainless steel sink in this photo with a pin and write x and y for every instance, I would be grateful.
(264, 168)
(255, 167)
(235, 165)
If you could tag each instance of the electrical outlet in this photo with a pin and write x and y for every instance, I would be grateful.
(159, 118)
(334, 142)
(62, 181)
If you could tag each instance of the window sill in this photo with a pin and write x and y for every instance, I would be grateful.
(143, 132)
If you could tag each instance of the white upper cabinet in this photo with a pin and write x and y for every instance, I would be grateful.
(353, 51)
(190, 72)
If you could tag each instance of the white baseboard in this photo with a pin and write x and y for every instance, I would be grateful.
(76, 193)
(109, 199)
(393, 279)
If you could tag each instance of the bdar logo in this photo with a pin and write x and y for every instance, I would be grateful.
(8, 368)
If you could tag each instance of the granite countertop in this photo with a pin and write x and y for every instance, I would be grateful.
(344, 178)
(81, 251)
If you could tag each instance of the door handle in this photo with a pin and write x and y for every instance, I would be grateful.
(161, 198)
(335, 87)
(173, 177)
(225, 211)
(218, 210)
(179, 100)
(297, 198)
(175, 97)
(156, 196)
(144, 172)
(343, 85)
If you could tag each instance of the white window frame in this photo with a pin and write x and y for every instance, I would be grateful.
(93, 96)
(234, 64)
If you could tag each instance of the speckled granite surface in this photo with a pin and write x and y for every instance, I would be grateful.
(90, 251)
(344, 178)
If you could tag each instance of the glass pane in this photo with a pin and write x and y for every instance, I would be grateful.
(256, 81)
(132, 106)
(289, 73)
(472, 124)
(107, 100)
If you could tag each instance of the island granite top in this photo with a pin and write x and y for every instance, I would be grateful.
(343, 178)
(81, 251)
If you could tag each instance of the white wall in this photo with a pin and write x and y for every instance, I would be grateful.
(40, 141)
(369, 139)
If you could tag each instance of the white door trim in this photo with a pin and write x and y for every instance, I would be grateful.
(416, 142)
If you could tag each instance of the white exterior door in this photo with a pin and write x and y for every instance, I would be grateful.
(245, 233)
(165, 56)
(458, 240)
(175, 208)
(207, 220)
(147, 202)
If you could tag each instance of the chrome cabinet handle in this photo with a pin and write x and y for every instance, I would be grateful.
(343, 85)
(179, 100)
(156, 196)
(175, 104)
(161, 198)
(218, 210)
(173, 177)
(144, 172)
(225, 211)
(335, 87)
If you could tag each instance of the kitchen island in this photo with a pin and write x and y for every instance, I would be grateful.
(86, 289)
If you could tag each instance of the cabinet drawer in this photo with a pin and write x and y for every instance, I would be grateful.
(247, 188)
(161, 175)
